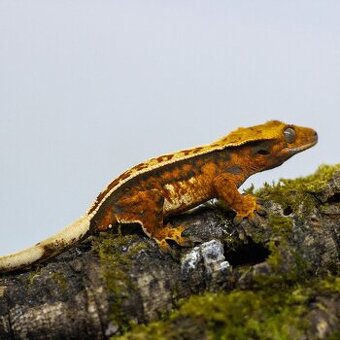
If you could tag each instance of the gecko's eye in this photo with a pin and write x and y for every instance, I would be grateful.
(289, 135)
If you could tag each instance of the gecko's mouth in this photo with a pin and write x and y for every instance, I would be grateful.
(304, 147)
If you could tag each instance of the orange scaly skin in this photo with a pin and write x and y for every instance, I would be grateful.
(154, 190)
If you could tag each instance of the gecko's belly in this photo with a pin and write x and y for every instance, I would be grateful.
(181, 196)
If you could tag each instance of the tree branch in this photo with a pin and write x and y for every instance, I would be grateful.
(111, 282)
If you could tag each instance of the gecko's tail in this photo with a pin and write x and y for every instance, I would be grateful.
(52, 246)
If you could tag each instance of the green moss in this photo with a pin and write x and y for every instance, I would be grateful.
(32, 276)
(275, 258)
(334, 336)
(329, 285)
(261, 314)
(282, 226)
(237, 315)
(115, 254)
(297, 194)
(60, 280)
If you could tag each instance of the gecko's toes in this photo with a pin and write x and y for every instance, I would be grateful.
(183, 241)
(165, 248)
(253, 219)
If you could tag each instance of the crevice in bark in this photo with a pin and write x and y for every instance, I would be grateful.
(287, 211)
(249, 253)
(334, 198)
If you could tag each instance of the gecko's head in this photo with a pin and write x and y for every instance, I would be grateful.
(268, 145)
(283, 141)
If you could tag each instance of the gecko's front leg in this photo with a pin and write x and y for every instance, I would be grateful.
(245, 206)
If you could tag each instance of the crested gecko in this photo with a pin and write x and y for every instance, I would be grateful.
(151, 191)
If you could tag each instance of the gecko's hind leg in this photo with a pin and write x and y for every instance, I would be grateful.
(146, 208)
(172, 233)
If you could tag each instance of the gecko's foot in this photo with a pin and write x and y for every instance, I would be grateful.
(254, 219)
(165, 248)
(252, 212)
(174, 234)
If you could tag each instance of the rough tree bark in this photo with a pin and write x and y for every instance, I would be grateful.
(109, 284)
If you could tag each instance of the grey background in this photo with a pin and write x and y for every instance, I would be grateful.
(90, 88)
